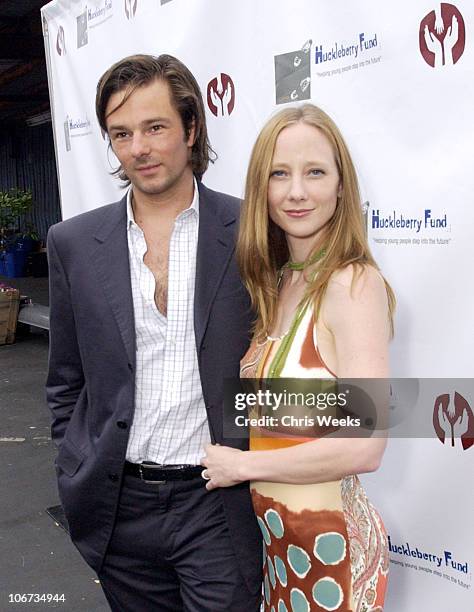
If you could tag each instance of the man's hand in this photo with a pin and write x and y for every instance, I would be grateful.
(222, 466)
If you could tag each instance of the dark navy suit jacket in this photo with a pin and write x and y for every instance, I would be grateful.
(91, 380)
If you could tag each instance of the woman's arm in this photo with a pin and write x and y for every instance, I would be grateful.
(356, 315)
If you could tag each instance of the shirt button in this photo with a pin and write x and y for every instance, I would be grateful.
(113, 477)
(122, 425)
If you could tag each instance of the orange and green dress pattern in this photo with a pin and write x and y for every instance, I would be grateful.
(324, 545)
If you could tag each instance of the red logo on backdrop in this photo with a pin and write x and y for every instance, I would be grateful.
(61, 41)
(442, 36)
(453, 418)
(130, 8)
(221, 95)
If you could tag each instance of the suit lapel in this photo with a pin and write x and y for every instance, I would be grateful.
(215, 248)
(214, 251)
(113, 268)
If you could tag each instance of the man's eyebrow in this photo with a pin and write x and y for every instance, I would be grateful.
(155, 120)
(116, 127)
(145, 123)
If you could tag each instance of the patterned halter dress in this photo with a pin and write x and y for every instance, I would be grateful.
(324, 545)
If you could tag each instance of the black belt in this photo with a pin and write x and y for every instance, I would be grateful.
(150, 472)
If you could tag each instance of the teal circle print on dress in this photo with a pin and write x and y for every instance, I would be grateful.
(298, 560)
(266, 588)
(282, 606)
(275, 523)
(264, 554)
(271, 572)
(298, 601)
(264, 530)
(281, 571)
(328, 594)
(330, 548)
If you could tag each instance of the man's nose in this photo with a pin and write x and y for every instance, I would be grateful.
(140, 145)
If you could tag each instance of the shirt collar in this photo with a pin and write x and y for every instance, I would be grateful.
(193, 206)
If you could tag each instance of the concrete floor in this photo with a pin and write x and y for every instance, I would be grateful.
(36, 555)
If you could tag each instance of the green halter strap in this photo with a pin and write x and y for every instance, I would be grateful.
(282, 351)
(281, 354)
(301, 265)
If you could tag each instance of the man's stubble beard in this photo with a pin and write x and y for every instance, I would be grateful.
(156, 186)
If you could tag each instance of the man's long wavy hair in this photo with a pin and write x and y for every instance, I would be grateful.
(262, 248)
(139, 70)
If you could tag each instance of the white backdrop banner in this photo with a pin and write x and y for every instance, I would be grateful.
(397, 79)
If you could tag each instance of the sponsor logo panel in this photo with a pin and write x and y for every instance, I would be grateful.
(338, 57)
(442, 36)
(92, 18)
(453, 420)
(295, 69)
(82, 33)
(76, 127)
(442, 564)
(396, 227)
(293, 75)
(221, 95)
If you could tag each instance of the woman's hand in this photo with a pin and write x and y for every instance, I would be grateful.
(222, 466)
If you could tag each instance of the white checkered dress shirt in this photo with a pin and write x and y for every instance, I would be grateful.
(170, 423)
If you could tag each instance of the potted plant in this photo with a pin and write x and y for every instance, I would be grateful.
(14, 205)
(28, 239)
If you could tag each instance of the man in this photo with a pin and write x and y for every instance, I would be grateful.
(148, 316)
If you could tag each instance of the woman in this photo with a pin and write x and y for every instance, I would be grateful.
(324, 311)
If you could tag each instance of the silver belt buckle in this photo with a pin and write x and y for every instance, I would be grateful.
(140, 470)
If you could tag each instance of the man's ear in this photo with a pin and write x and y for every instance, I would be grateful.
(190, 140)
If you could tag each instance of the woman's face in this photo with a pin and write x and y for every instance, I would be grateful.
(304, 185)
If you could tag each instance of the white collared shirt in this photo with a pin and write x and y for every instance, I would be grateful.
(170, 423)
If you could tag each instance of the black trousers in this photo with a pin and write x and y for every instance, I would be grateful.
(171, 551)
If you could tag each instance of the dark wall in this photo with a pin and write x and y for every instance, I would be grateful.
(27, 161)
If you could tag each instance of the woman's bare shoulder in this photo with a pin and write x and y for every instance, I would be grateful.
(356, 278)
(355, 295)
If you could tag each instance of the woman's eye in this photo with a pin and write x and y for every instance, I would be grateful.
(316, 172)
(278, 173)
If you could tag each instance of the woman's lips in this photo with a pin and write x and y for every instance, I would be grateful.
(296, 214)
